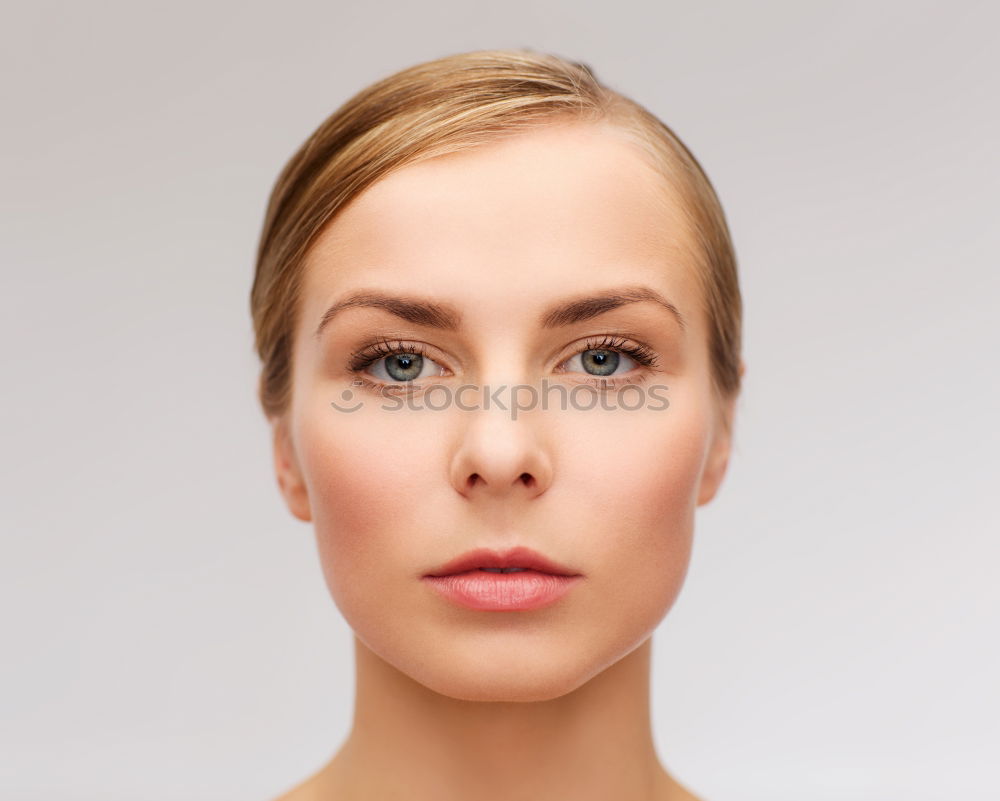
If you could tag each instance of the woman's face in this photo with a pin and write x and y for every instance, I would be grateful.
(504, 239)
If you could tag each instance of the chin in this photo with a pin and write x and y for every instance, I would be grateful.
(515, 670)
(542, 685)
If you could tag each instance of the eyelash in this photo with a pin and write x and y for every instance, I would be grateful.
(363, 358)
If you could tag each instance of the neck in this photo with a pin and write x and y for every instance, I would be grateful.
(410, 742)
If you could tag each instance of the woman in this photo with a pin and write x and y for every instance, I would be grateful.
(498, 313)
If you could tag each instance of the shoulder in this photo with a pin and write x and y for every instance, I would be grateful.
(309, 790)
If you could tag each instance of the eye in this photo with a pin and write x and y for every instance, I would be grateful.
(601, 362)
(392, 363)
(610, 356)
(404, 366)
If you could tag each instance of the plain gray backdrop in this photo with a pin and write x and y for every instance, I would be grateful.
(166, 630)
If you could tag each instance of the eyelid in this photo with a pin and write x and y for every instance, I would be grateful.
(384, 346)
(641, 353)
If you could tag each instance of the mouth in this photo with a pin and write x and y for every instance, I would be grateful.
(515, 560)
(518, 580)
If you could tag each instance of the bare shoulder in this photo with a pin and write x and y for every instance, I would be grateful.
(319, 788)
(672, 790)
(309, 790)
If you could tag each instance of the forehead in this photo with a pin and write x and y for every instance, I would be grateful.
(554, 211)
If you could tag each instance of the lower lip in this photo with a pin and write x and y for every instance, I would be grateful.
(503, 592)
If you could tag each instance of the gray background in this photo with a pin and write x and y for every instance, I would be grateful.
(167, 633)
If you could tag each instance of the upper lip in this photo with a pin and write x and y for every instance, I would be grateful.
(515, 557)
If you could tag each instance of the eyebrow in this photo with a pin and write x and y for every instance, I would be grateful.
(584, 308)
(421, 311)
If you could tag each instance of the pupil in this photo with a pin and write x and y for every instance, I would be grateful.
(604, 362)
(404, 367)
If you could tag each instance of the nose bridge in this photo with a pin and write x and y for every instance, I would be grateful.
(498, 452)
(499, 455)
(501, 358)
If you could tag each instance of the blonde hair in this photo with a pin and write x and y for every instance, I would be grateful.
(443, 106)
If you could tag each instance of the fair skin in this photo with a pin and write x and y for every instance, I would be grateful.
(453, 703)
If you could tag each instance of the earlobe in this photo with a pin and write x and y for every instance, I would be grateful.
(717, 461)
(715, 467)
(288, 472)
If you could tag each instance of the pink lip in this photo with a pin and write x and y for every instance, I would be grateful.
(543, 582)
(503, 592)
(515, 557)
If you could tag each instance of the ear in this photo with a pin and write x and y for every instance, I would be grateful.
(288, 471)
(720, 449)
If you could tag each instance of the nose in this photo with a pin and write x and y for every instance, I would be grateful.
(498, 457)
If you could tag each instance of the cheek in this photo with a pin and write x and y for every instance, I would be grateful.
(642, 469)
(658, 468)
(657, 476)
(633, 480)
(368, 479)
